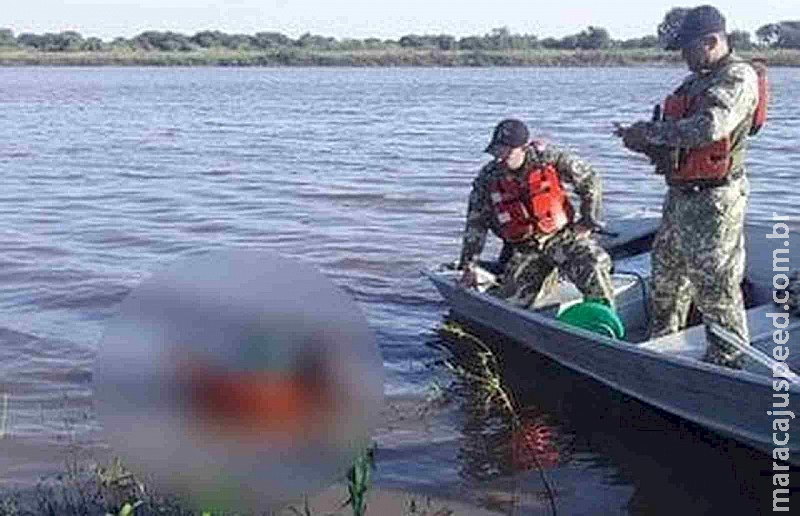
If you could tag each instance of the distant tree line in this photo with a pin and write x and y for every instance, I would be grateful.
(497, 39)
(775, 35)
(780, 35)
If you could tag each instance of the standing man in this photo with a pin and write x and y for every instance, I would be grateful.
(519, 196)
(699, 145)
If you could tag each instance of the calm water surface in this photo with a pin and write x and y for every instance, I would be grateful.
(107, 174)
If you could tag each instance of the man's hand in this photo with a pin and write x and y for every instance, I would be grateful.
(584, 227)
(582, 231)
(633, 136)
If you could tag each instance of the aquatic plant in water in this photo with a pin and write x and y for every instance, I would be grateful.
(528, 444)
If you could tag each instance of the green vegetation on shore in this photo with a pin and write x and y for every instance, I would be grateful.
(113, 490)
(369, 58)
(779, 43)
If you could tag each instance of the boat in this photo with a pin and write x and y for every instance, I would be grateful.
(666, 372)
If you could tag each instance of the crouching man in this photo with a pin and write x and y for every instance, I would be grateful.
(520, 197)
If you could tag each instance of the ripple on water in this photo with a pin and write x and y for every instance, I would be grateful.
(363, 173)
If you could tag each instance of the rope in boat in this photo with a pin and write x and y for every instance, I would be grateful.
(492, 382)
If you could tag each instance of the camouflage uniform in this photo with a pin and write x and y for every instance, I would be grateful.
(531, 263)
(698, 253)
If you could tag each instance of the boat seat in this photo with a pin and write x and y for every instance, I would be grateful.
(691, 343)
(567, 294)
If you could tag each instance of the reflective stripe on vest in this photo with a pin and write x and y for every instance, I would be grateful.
(537, 206)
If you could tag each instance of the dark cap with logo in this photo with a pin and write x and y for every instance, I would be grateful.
(510, 132)
(698, 22)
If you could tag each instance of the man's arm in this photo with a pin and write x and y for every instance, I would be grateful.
(725, 105)
(478, 221)
(585, 181)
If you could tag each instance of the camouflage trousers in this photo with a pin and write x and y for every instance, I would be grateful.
(698, 255)
(534, 265)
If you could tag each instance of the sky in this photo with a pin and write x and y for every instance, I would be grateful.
(363, 18)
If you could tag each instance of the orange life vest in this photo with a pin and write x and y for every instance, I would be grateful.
(712, 162)
(760, 114)
(536, 205)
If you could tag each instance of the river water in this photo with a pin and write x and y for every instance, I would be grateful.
(106, 174)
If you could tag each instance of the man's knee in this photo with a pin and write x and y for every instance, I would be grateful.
(589, 254)
(722, 300)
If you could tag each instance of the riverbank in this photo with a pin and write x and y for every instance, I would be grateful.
(91, 483)
(371, 58)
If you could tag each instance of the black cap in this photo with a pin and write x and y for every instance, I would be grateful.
(698, 22)
(511, 132)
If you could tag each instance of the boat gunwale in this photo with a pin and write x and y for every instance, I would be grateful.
(735, 432)
(552, 323)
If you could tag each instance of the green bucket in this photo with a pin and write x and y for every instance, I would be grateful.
(594, 316)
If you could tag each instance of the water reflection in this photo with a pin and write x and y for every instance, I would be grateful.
(579, 426)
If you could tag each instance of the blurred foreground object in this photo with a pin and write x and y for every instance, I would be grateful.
(240, 379)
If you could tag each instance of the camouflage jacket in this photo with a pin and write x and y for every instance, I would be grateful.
(480, 214)
(728, 95)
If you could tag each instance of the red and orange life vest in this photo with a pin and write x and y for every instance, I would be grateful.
(537, 204)
(712, 162)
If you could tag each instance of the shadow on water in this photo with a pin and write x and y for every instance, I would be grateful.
(579, 427)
